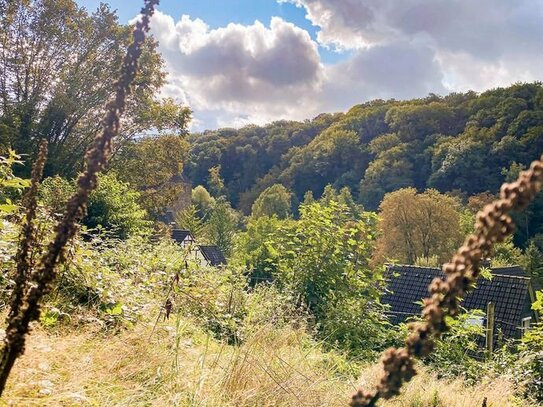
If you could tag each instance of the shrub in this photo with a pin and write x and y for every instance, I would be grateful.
(113, 205)
(457, 352)
(323, 260)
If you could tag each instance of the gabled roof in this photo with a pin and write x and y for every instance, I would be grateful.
(180, 235)
(510, 271)
(213, 255)
(408, 285)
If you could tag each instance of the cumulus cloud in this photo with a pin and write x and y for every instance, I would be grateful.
(398, 70)
(256, 73)
(260, 72)
(477, 44)
(488, 28)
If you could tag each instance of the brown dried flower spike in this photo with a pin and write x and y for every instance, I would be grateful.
(493, 225)
(28, 293)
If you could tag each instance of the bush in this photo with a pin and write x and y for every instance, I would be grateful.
(116, 280)
(322, 259)
(113, 205)
(457, 352)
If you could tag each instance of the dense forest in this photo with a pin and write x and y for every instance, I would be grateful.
(464, 144)
(306, 213)
(373, 148)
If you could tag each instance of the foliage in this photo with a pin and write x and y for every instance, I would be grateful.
(533, 262)
(215, 182)
(454, 353)
(55, 192)
(254, 247)
(114, 206)
(68, 60)
(11, 186)
(431, 261)
(203, 201)
(457, 142)
(529, 369)
(275, 200)
(188, 219)
(222, 226)
(418, 226)
(530, 221)
(506, 254)
(214, 298)
(153, 166)
(323, 259)
(457, 353)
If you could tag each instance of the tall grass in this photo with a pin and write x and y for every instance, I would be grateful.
(183, 366)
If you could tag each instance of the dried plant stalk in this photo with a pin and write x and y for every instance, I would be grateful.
(492, 226)
(28, 234)
(40, 280)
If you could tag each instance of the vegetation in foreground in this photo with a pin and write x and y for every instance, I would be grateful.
(179, 365)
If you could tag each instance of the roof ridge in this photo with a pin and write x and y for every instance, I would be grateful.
(510, 276)
(412, 266)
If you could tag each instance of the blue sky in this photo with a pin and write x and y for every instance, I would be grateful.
(236, 62)
(219, 13)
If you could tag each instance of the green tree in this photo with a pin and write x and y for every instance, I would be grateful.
(57, 63)
(114, 206)
(54, 193)
(275, 200)
(255, 247)
(418, 226)
(533, 262)
(390, 171)
(506, 254)
(203, 201)
(222, 226)
(153, 166)
(215, 182)
(188, 219)
(324, 259)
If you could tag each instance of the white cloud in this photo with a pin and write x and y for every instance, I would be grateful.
(397, 70)
(240, 74)
(478, 44)
(488, 28)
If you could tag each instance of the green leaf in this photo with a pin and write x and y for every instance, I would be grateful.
(7, 208)
(16, 183)
(116, 310)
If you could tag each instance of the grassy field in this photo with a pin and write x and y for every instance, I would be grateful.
(175, 364)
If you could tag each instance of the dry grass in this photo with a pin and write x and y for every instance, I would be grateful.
(273, 368)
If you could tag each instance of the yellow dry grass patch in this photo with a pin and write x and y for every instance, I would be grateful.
(273, 368)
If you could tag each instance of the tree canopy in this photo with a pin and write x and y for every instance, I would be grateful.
(58, 62)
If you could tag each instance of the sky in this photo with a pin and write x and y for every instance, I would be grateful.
(236, 62)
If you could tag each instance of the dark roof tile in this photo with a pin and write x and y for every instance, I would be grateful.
(408, 285)
(213, 254)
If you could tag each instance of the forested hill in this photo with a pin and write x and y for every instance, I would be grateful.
(463, 142)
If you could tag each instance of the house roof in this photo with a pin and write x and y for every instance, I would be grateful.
(213, 254)
(180, 235)
(510, 271)
(408, 285)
